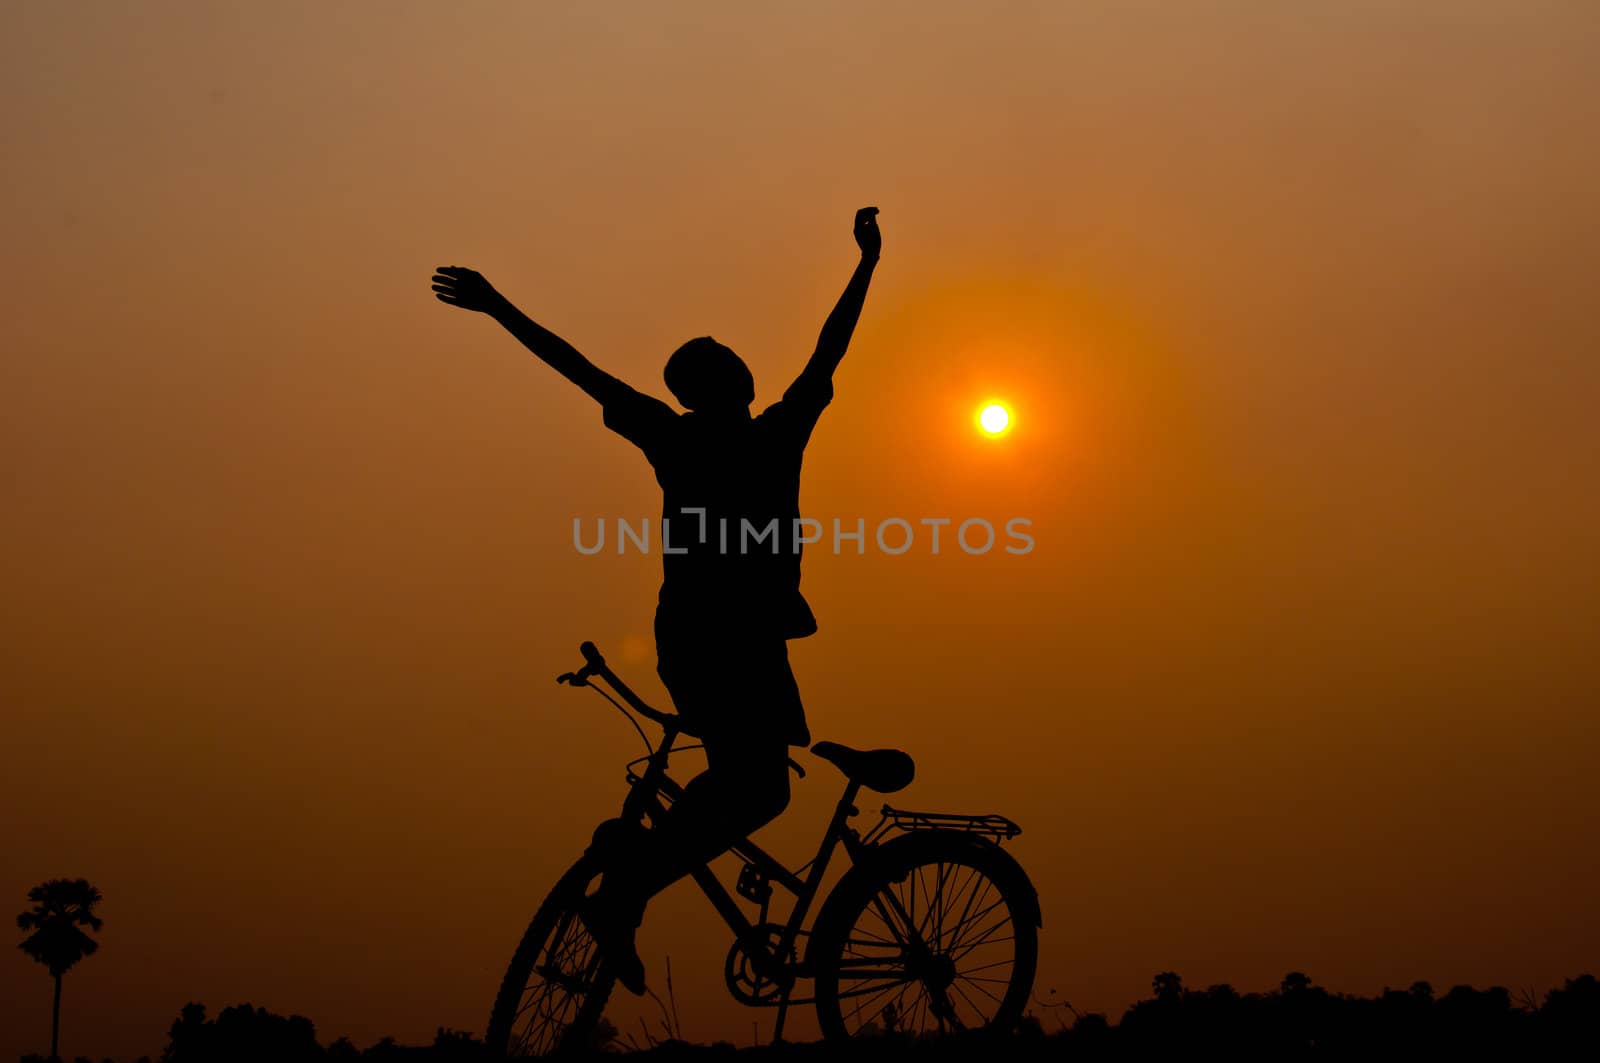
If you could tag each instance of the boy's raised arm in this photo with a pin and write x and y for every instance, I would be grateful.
(841, 323)
(469, 290)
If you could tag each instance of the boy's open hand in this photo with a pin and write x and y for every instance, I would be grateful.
(466, 288)
(867, 236)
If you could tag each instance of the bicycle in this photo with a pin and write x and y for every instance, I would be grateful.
(932, 909)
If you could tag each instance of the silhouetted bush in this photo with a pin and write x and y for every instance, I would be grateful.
(1296, 1020)
(1570, 1017)
(241, 1034)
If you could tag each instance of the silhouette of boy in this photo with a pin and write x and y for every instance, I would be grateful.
(730, 593)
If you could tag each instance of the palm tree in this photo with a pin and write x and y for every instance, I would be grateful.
(60, 907)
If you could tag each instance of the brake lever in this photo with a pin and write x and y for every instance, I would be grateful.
(577, 679)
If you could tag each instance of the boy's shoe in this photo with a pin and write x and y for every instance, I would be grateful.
(614, 935)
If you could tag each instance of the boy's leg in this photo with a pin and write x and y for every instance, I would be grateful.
(744, 787)
(742, 708)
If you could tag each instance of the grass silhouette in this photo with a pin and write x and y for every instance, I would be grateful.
(1298, 1019)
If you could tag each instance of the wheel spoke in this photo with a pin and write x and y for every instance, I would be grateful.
(900, 994)
(858, 932)
(933, 918)
(865, 997)
(984, 991)
(966, 911)
(975, 1009)
(969, 923)
(950, 1013)
(920, 1005)
(986, 938)
(875, 973)
(949, 888)
(898, 924)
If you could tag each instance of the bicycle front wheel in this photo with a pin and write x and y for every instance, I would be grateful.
(555, 988)
(936, 935)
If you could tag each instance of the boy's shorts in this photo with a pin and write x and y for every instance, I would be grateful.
(733, 689)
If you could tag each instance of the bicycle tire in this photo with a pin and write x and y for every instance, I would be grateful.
(945, 952)
(555, 988)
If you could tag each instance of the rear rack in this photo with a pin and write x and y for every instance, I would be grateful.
(992, 825)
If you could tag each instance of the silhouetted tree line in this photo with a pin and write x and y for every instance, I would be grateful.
(1303, 1017)
(1297, 1019)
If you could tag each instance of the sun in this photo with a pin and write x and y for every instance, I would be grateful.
(994, 419)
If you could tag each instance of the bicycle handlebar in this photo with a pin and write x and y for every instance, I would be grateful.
(595, 665)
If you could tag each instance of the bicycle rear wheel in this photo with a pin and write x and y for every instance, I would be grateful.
(936, 935)
(555, 988)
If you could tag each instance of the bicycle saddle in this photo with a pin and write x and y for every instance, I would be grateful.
(883, 770)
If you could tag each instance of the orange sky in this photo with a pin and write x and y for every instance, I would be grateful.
(1295, 308)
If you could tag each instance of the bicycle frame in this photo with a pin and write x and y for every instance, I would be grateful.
(644, 800)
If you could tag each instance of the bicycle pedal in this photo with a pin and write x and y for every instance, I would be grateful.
(753, 885)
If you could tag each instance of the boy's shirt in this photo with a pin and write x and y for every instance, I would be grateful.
(737, 468)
